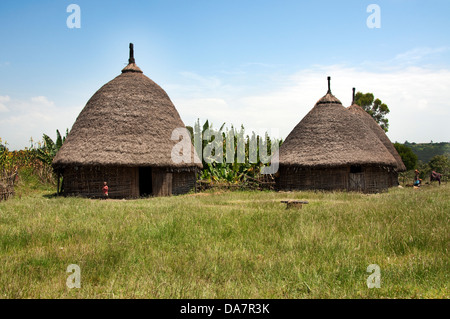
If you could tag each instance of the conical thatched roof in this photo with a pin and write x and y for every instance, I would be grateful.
(329, 135)
(129, 121)
(377, 130)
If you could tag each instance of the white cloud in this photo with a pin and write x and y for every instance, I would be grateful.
(42, 100)
(417, 98)
(417, 54)
(3, 101)
(33, 117)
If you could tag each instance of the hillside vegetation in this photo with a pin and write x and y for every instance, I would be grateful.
(426, 151)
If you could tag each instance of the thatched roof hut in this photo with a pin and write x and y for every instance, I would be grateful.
(123, 137)
(331, 148)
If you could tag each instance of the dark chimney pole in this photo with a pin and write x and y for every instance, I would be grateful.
(131, 59)
(329, 88)
(353, 98)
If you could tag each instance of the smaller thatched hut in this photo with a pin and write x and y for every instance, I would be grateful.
(331, 148)
(124, 136)
(379, 132)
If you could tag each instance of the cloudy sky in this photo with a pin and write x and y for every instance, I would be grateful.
(261, 63)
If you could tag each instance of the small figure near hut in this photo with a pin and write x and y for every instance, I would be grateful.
(416, 175)
(435, 177)
(417, 183)
(105, 190)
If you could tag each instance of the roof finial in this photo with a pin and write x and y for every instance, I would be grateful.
(353, 98)
(131, 59)
(329, 89)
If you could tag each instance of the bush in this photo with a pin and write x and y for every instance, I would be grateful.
(407, 155)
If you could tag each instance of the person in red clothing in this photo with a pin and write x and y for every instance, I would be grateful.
(105, 190)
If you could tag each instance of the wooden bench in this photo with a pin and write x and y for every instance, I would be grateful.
(294, 203)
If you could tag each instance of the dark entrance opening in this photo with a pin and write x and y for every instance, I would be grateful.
(145, 181)
(355, 169)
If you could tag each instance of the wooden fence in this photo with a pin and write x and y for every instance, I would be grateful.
(7, 186)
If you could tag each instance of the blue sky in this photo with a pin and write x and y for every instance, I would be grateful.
(259, 63)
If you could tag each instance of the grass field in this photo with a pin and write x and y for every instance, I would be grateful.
(242, 244)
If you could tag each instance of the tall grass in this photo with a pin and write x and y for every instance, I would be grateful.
(227, 245)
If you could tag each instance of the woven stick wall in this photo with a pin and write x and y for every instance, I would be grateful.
(7, 186)
(87, 181)
(371, 179)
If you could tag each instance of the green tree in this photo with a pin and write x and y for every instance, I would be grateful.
(377, 109)
(407, 155)
(440, 164)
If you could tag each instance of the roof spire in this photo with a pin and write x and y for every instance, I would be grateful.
(353, 97)
(131, 59)
(329, 98)
(131, 67)
(329, 89)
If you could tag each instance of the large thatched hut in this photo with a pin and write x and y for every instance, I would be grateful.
(379, 132)
(331, 148)
(123, 136)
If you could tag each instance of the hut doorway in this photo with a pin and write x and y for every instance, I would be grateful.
(162, 183)
(145, 181)
(356, 179)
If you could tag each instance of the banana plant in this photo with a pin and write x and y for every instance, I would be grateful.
(47, 152)
(234, 172)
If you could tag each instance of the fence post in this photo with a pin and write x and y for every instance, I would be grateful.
(57, 184)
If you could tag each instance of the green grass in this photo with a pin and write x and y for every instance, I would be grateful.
(242, 244)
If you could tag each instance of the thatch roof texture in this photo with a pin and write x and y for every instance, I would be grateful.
(329, 136)
(129, 122)
(378, 131)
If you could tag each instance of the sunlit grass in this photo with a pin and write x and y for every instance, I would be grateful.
(242, 244)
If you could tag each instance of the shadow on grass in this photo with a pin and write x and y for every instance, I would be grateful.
(53, 195)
